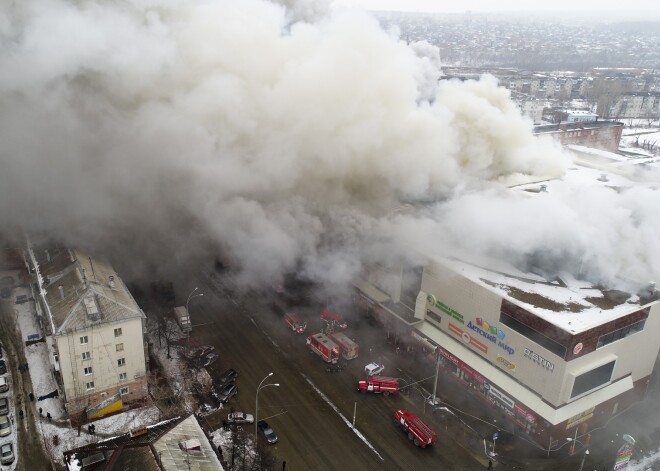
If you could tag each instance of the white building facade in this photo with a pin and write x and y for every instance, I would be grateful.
(97, 331)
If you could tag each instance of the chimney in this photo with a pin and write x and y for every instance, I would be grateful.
(61, 288)
(47, 255)
(111, 281)
(603, 177)
(544, 188)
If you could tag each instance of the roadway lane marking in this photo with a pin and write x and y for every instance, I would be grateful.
(346, 421)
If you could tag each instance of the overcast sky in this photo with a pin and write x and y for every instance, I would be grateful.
(503, 5)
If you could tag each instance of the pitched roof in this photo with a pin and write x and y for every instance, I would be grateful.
(162, 443)
(82, 291)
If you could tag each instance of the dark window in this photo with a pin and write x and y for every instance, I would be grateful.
(433, 316)
(592, 379)
(620, 333)
(533, 335)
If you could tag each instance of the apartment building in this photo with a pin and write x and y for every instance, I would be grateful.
(95, 331)
(637, 105)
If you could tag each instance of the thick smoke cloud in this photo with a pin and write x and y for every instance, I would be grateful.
(282, 136)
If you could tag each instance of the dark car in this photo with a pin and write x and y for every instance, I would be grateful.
(3, 367)
(228, 376)
(5, 293)
(267, 432)
(4, 406)
(227, 392)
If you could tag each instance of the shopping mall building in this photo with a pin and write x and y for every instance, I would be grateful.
(558, 355)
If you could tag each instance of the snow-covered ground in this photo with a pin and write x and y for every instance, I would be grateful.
(68, 438)
(647, 464)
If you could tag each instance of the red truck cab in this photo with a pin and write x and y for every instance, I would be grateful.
(418, 431)
(295, 323)
(337, 319)
(379, 384)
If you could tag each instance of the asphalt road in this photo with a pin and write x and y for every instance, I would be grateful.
(249, 333)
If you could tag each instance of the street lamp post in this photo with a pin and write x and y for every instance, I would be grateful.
(256, 405)
(190, 296)
(584, 457)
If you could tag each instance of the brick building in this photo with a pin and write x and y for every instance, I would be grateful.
(599, 134)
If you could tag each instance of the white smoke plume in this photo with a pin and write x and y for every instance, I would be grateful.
(281, 137)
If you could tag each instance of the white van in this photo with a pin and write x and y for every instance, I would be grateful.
(373, 369)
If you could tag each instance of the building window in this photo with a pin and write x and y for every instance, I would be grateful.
(620, 333)
(432, 316)
(123, 376)
(592, 379)
(121, 362)
(123, 391)
(120, 347)
(89, 385)
(86, 356)
(118, 332)
(88, 370)
(83, 340)
(533, 335)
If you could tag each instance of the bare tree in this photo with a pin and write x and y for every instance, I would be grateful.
(169, 403)
(170, 331)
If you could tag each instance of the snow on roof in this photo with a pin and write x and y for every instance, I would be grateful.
(570, 304)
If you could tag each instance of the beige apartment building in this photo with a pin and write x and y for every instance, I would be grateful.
(95, 331)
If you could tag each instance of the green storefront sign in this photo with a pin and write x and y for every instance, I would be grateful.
(444, 308)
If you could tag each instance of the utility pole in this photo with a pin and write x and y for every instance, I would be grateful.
(435, 383)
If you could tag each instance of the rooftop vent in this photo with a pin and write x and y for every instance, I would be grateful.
(61, 289)
(111, 281)
(544, 188)
(190, 445)
(603, 178)
(92, 309)
(138, 432)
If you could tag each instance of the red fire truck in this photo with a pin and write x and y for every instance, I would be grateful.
(295, 323)
(349, 349)
(379, 384)
(324, 347)
(418, 431)
(333, 317)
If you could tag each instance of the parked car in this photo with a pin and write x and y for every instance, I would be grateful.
(3, 367)
(268, 433)
(1, 351)
(4, 406)
(4, 384)
(5, 426)
(236, 418)
(227, 392)
(374, 368)
(227, 377)
(205, 350)
(207, 360)
(22, 298)
(7, 453)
